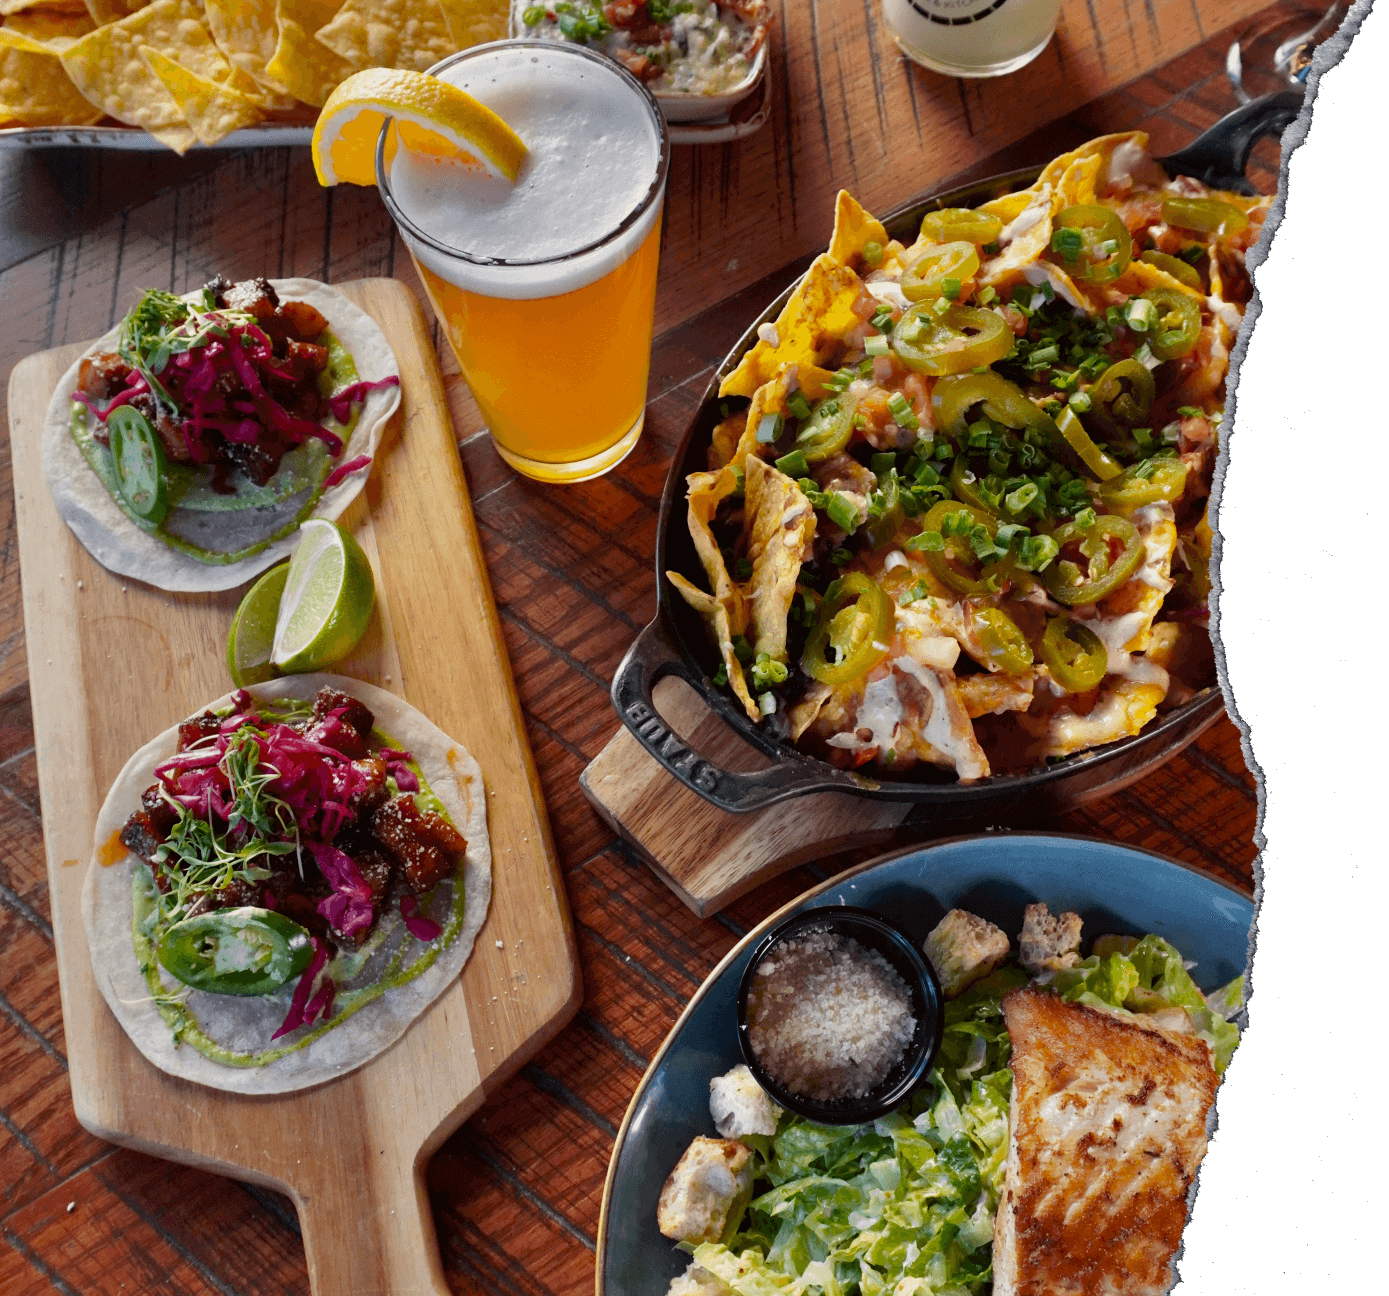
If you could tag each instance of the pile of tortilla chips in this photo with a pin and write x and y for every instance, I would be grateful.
(193, 71)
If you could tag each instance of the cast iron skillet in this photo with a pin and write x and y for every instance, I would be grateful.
(675, 643)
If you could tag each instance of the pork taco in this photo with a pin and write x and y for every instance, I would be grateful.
(283, 883)
(188, 444)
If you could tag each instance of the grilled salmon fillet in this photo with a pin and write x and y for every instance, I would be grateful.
(1107, 1128)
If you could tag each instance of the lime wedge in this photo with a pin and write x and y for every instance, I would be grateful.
(327, 599)
(253, 630)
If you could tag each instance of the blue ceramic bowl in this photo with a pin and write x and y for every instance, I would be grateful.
(928, 1008)
(1113, 888)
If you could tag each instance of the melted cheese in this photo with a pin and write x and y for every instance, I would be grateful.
(880, 712)
(1025, 219)
(1124, 161)
(959, 748)
(1039, 273)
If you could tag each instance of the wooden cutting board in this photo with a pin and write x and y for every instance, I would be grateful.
(112, 662)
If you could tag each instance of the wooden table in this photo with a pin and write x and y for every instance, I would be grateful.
(517, 1190)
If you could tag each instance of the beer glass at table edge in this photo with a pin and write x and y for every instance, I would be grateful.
(547, 298)
(972, 38)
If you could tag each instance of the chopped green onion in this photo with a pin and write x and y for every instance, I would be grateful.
(950, 288)
(1037, 552)
(1140, 314)
(1079, 401)
(917, 591)
(1005, 534)
(941, 307)
(1068, 242)
(842, 512)
(1189, 411)
(1106, 249)
(739, 478)
(533, 15)
(1193, 254)
(839, 557)
(793, 464)
(927, 476)
(986, 295)
(883, 463)
(1144, 437)
(1021, 498)
(1172, 433)
(925, 542)
(882, 318)
(767, 672)
(721, 678)
(1086, 518)
(982, 542)
(902, 413)
(1144, 355)
(767, 702)
(864, 368)
(797, 405)
(742, 650)
(875, 345)
(768, 429)
(1144, 470)
(1044, 356)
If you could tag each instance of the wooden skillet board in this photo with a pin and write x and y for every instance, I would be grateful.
(112, 662)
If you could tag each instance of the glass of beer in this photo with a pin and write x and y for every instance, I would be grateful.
(546, 287)
(972, 38)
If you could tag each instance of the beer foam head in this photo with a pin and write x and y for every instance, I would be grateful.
(595, 148)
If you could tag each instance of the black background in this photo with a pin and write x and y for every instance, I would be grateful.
(1302, 552)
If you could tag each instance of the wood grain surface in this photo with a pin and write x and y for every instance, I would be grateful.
(516, 1190)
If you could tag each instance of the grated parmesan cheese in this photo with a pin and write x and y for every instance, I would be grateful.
(827, 1018)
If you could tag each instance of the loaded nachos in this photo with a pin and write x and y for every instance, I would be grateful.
(955, 511)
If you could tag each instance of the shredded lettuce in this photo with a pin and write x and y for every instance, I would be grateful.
(901, 1207)
(1149, 976)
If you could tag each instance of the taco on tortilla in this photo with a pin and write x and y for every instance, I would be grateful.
(300, 871)
(187, 445)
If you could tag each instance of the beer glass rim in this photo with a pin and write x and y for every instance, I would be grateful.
(652, 195)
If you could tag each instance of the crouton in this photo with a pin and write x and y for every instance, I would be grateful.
(1048, 942)
(706, 1192)
(740, 1106)
(964, 948)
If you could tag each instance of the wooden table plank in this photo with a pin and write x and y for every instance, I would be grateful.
(516, 1190)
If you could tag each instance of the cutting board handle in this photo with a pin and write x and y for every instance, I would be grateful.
(371, 1237)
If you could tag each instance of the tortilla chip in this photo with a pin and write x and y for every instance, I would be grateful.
(770, 398)
(109, 11)
(1136, 598)
(473, 22)
(706, 492)
(307, 70)
(716, 618)
(34, 88)
(854, 228)
(106, 66)
(1121, 710)
(1077, 183)
(816, 316)
(1009, 206)
(246, 32)
(1139, 276)
(1027, 246)
(725, 440)
(780, 527)
(212, 110)
(56, 28)
(408, 34)
(1100, 147)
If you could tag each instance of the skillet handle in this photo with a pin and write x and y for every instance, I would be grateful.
(1219, 156)
(653, 656)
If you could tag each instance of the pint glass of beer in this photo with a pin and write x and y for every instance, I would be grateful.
(546, 287)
